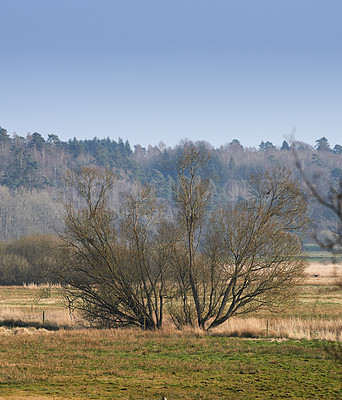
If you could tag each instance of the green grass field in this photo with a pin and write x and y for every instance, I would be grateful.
(135, 365)
(280, 360)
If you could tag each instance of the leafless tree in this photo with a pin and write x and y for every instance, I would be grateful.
(246, 256)
(331, 200)
(259, 250)
(108, 269)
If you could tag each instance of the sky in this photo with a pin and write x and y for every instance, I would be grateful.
(165, 70)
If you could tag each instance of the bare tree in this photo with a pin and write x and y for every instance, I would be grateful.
(246, 256)
(259, 251)
(108, 270)
(24, 212)
(331, 200)
(192, 194)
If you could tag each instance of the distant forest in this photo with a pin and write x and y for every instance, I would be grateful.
(32, 169)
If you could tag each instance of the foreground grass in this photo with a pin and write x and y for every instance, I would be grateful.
(186, 365)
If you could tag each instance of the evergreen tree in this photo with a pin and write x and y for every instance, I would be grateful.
(322, 144)
(36, 140)
(235, 146)
(266, 146)
(338, 149)
(285, 146)
(315, 159)
(53, 140)
(4, 137)
(21, 171)
(76, 147)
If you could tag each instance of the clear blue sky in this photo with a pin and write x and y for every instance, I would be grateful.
(162, 70)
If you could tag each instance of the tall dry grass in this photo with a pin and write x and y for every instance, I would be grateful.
(288, 328)
(58, 317)
(281, 328)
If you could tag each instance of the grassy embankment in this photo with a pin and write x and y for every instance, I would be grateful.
(130, 364)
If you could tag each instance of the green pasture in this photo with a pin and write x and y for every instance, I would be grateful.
(136, 365)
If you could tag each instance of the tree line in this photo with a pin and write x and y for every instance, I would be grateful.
(32, 171)
(35, 163)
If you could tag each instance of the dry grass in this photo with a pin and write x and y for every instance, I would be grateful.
(316, 315)
(36, 304)
(53, 317)
(325, 274)
(293, 328)
(60, 317)
(131, 364)
(22, 331)
(41, 286)
(251, 327)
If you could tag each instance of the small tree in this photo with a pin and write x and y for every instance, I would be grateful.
(109, 272)
(338, 149)
(266, 146)
(259, 249)
(285, 146)
(322, 144)
(246, 256)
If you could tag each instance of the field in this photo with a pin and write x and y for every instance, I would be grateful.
(263, 356)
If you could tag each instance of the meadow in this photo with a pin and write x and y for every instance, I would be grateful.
(292, 354)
